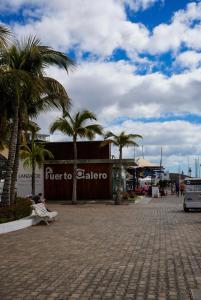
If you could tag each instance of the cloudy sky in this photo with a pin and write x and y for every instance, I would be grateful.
(138, 66)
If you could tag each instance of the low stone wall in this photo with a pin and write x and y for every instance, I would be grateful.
(18, 224)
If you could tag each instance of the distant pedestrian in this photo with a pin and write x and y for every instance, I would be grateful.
(182, 188)
(177, 188)
(145, 188)
(172, 188)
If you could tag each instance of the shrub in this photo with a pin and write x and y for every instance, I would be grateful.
(132, 197)
(6, 214)
(21, 209)
(124, 195)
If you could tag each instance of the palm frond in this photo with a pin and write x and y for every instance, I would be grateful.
(63, 125)
(55, 94)
(52, 57)
(75, 126)
(86, 115)
(95, 128)
(37, 154)
(109, 134)
(5, 35)
(120, 140)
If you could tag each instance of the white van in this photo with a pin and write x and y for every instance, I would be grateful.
(192, 197)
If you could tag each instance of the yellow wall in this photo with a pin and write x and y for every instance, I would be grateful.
(4, 152)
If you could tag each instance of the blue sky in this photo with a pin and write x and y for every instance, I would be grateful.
(138, 66)
(160, 12)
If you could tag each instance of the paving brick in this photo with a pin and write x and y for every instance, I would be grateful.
(102, 251)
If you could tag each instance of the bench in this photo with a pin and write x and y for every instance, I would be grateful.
(40, 211)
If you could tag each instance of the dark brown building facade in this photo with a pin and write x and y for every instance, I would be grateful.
(94, 180)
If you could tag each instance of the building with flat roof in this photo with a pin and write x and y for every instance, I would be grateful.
(55, 179)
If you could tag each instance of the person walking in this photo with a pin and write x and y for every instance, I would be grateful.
(182, 188)
(177, 188)
(172, 188)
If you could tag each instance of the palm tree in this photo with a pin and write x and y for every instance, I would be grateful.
(23, 82)
(24, 128)
(4, 132)
(122, 140)
(5, 35)
(34, 154)
(56, 96)
(77, 126)
(12, 86)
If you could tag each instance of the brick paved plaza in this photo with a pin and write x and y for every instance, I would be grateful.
(102, 251)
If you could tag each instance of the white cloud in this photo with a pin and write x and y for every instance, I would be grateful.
(166, 37)
(180, 140)
(95, 26)
(185, 28)
(101, 27)
(112, 90)
(189, 59)
(140, 4)
(17, 4)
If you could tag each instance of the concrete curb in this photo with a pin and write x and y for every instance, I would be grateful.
(18, 224)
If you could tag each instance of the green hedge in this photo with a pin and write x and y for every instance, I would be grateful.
(21, 209)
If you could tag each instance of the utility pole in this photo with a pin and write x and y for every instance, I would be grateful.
(196, 168)
(161, 162)
(189, 168)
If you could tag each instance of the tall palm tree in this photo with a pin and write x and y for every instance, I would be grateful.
(55, 97)
(77, 126)
(122, 140)
(34, 154)
(5, 37)
(22, 69)
(25, 128)
(10, 83)
(4, 132)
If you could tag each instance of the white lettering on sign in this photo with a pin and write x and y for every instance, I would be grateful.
(26, 176)
(81, 174)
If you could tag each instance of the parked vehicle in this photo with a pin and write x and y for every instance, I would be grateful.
(192, 196)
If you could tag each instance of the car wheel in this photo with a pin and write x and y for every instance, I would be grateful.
(186, 209)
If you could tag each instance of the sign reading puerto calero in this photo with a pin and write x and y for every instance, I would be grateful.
(81, 174)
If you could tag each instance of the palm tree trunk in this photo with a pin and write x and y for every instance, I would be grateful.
(119, 187)
(74, 196)
(33, 178)
(33, 164)
(11, 158)
(15, 168)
